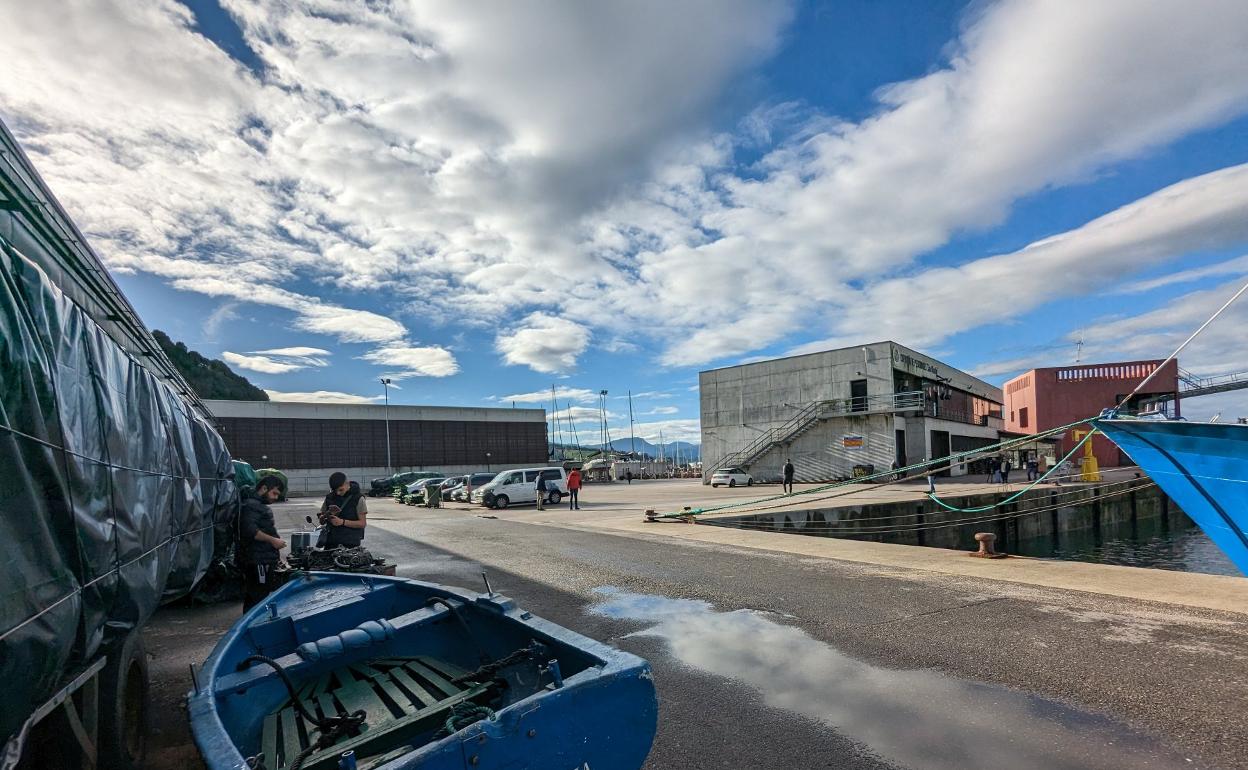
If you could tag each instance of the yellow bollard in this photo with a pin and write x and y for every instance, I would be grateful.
(1088, 469)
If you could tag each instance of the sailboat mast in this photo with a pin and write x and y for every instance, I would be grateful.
(632, 439)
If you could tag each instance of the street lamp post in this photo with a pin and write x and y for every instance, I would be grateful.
(487, 462)
(385, 384)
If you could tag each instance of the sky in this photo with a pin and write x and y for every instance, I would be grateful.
(485, 201)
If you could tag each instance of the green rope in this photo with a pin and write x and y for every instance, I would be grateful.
(882, 474)
(932, 496)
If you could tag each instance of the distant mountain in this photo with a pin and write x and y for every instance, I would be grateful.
(208, 377)
(688, 452)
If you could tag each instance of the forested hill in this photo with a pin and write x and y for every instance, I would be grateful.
(209, 377)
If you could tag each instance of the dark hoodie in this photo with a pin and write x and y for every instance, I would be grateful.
(255, 516)
(344, 535)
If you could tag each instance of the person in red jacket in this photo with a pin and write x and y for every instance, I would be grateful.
(574, 487)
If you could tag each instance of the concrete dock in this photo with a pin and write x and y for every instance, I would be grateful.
(1151, 660)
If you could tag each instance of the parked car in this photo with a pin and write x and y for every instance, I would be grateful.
(520, 486)
(731, 477)
(391, 484)
(451, 484)
(479, 480)
(414, 493)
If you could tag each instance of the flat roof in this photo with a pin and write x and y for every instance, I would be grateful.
(299, 410)
(970, 383)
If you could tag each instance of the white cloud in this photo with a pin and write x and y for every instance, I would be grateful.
(1155, 334)
(262, 364)
(672, 430)
(583, 395)
(1199, 213)
(1237, 266)
(322, 397)
(295, 352)
(661, 410)
(279, 360)
(585, 414)
(412, 361)
(543, 343)
(219, 318)
(551, 160)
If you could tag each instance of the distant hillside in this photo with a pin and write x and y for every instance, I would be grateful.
(688, 452)
(209, 377)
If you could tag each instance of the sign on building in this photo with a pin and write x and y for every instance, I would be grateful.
(853, 441)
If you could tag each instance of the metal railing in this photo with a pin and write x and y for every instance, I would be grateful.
(823, 410)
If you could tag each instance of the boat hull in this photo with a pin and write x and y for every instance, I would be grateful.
(1203, 467)
(595, 708)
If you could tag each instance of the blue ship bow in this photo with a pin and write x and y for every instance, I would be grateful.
(1203, 467)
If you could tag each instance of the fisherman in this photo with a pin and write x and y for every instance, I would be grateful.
(541, 492)
(343, 515)
(787, 487)
(574, 487)
(259, 547)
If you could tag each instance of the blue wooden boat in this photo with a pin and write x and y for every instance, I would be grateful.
(1203, 467)
(366, 671)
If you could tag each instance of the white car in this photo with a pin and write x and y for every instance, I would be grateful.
(520, 486)
(731, 477)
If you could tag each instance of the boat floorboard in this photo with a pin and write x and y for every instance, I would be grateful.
(421, 689)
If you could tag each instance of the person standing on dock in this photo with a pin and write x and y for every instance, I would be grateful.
(1005, 471)
(344, 514)
(574, 488)
(931, 476)
(541, 492)
(259, 547)
(1033, 468)
(788, 477)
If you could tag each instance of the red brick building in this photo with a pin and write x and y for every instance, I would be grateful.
(1042, 399)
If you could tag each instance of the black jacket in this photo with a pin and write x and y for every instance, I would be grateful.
(254, 517)
(349, 503)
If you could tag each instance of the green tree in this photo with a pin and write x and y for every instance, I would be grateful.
(209, 377)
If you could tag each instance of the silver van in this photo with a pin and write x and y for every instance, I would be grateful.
(519, 486)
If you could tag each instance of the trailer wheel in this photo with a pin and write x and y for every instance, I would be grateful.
(125, 706)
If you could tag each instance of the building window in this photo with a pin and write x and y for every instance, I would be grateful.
(1011, 415)
(1022, 417)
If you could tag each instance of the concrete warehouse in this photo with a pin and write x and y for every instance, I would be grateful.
(309, 441)
(833, 411)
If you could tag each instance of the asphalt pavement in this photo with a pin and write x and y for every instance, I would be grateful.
(777, 660)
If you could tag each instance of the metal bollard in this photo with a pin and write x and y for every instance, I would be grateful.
(986, 551)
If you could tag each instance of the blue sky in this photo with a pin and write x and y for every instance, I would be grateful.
(482, 204)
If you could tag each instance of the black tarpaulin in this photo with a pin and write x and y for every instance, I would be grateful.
(112, 490)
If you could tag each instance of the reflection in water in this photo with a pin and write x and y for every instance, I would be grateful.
(1173, 544)
(919, 718)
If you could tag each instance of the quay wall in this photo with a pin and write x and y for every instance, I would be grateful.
(1043, 512)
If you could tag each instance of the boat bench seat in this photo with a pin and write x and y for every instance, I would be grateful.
(403, 697)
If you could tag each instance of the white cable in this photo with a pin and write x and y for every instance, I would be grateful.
(1172, 356)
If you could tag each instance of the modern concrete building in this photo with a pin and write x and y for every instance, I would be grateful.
(869, 405)
(310, 441)
(1043, 399)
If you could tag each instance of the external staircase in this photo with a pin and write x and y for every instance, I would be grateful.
(817, 411)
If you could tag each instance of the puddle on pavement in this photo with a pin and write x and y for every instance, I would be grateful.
(917, 718)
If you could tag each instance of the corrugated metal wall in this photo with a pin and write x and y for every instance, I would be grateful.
(299, 443)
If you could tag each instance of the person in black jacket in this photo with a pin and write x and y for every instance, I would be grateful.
(344, 514)
(258, 543)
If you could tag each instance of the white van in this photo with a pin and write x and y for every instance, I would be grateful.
(519, 486)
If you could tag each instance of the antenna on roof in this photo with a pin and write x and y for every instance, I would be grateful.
(1079, 347)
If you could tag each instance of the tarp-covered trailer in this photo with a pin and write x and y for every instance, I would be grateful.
(114, 488)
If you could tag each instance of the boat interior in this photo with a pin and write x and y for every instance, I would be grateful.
(379, 667)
